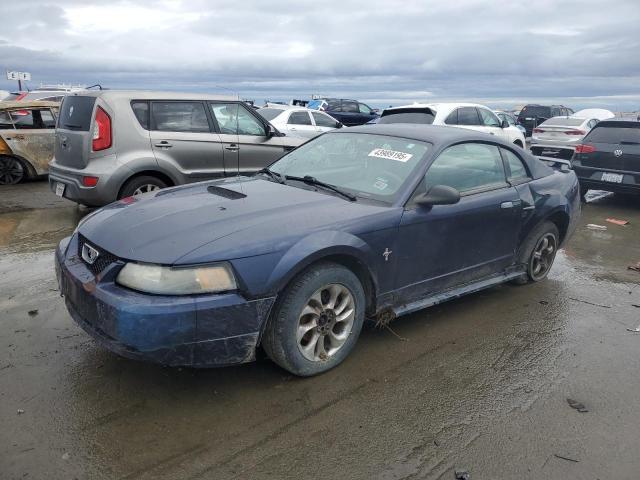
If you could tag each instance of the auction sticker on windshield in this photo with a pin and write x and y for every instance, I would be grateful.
(390, 154)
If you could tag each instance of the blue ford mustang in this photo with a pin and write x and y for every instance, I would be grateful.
(367, 222)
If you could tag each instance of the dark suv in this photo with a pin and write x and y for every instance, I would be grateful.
(609, 157)
(533, 115)
(348, 112)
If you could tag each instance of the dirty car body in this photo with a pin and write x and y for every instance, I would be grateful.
(263, 233)
(27, 131)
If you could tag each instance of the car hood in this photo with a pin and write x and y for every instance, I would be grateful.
(220, 220)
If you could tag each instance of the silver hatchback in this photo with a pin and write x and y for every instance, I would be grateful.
(114, 144)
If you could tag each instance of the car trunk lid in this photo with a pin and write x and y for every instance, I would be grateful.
(73, 132)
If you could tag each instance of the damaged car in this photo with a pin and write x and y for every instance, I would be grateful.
(370, 222)
(27, 133)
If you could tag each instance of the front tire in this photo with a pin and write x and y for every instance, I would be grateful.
(538, 253)
(317, 320)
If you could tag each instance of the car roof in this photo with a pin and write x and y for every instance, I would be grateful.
(152, 95)
(22, 105)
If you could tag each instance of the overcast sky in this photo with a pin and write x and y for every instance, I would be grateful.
(502, 53)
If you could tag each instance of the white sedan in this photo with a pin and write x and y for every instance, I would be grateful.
(297, 121)
(463, 115)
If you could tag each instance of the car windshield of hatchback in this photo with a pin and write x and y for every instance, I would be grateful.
(366, 165)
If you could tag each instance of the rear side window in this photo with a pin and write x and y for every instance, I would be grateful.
(141, 111)
(299, 118)
(179, 117)
(323, 120)
(612, 134)
(468, 116)
(76, 113)
(467, 167)
(517, 172)
(333, 105)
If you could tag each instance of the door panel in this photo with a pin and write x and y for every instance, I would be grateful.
(197, 155)
(299, 124)
(450, 245)
(444, 246)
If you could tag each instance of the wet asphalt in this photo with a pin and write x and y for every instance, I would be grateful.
(478, 384)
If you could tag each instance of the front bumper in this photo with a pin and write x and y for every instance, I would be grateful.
(195, 330)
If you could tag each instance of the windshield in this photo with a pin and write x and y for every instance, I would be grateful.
(269, 113)
(314, 104)
(369, 166)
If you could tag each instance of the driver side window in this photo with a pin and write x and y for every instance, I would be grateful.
(467, 167)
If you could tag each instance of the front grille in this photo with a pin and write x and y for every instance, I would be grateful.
(104, 258)
(552, 152)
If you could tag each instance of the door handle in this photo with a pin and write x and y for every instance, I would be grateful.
(292, 128)
(530, 207)
(506, 205)
(232, 147)
(163, 144)
(491, 133)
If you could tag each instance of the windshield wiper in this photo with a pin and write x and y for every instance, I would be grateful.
(276, 176)
(314, 181)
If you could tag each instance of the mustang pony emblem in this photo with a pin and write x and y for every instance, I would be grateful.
(386, 254)
(89, 254)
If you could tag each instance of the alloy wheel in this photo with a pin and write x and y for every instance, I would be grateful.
(325, 322)
(11, 171)
(543, 256)
(146, 188)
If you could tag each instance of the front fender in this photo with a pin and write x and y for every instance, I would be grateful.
(315, 247)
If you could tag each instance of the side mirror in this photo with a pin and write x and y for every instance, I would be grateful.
(504, 124)
(438, 195)
(374, 111)
(273, 132)
(339, 125)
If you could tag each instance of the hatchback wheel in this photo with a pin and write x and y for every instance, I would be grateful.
(317, 321)
(11, 171)
(140, 185)
(538, 252)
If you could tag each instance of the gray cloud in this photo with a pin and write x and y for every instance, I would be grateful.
(574, 52)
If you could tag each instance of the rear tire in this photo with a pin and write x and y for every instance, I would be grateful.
(538, 253)
(12, 170)
(317, 320)
(140, 185)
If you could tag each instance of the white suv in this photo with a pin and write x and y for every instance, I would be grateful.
(464, 115)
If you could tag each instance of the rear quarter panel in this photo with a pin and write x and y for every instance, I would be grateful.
(556, 195)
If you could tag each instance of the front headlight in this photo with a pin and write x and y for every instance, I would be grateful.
(176, 281)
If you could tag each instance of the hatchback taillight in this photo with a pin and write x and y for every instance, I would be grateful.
(538, 130)
(575, 132)
(585, 148)
(101, 131)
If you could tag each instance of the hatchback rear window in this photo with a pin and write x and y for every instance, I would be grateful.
(75, 112)
(535, 111)
(423, 117)
(612, 134)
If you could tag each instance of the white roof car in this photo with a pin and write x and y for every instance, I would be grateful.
(462, 115)
(298, 121)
